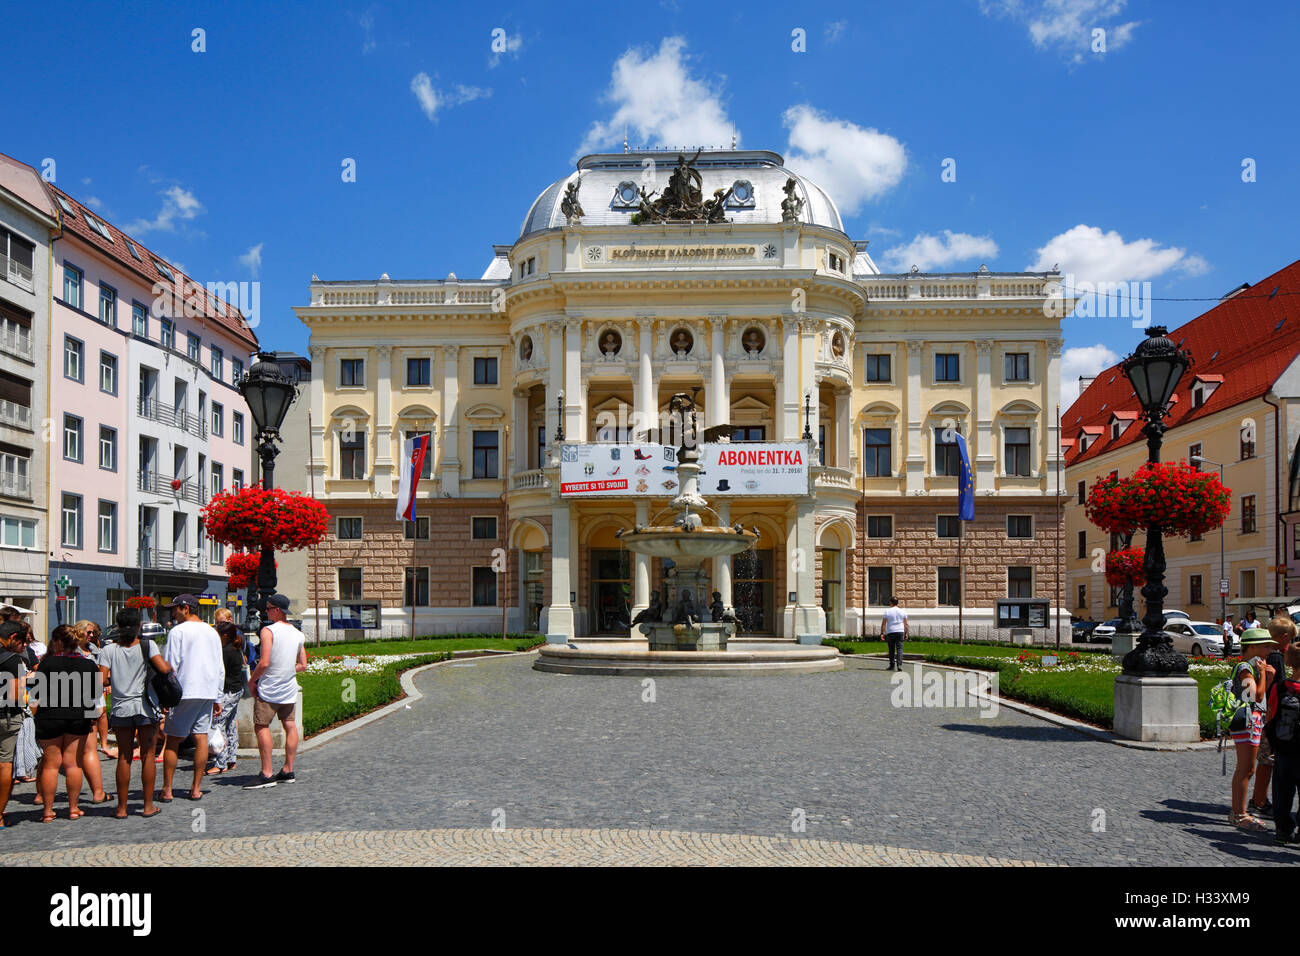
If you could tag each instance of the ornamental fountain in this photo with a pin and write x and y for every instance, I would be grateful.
(682, 634)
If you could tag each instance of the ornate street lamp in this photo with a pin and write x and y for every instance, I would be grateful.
(269, 392)
(1155, 368)
(559, 417)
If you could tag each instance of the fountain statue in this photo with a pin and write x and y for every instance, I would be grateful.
(679, 622)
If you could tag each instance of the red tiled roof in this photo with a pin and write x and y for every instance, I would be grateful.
(1207, 378)
(1124, 416)
(1237, 342)
(225, 314)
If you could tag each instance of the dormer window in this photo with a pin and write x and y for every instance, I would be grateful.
(1198, 397)
(836, 261)
(1115, 429)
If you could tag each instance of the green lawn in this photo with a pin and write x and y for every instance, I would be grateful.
(934, 647)
(328, 699)
(437, 645)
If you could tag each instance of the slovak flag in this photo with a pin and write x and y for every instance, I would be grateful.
(966, 484)
(413, 452)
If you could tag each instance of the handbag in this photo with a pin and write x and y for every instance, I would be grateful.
(166, 688)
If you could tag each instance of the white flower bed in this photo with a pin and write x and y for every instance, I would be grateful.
(360, 664)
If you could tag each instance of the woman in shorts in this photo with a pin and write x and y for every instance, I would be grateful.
(1250, 681)
(64, 713)
(134, 715)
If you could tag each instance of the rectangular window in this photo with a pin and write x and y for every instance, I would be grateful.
(748, 432)
(218, 367)
(1247, 442)
(949, 587)
(948, 526)
(108, 305)
(417, 587)
(237, 427)
(193, 347)
(1194, 589)
(216, 551)
(108, 373)
(71, 521)
(1083, 544)
(107, 448)
(1193, 453)
(426, 469)
(108, 526)
(1083, 596)
(73, 352)
(417, 372)
(17, 532)
(1017, 442)
(879, 368)
(72, 438)
(880, 526)
(485, 454)
(218, 419)
(72, 285)
(947, 367)
(349, 529)
(483, 529)
(218, 478)
(1247, 514)
(1016, 366)
(1020, 582)
(139, 321)
(1020, 526)
(485, 587)
(880, 586)
(349, 584)
(167, 333)
(417, 530)
(876, 462)
(236, 479)
(352, 456)
(947, 456)
(1083, 492)
(352, 372)
(485, 371)
(236, 371)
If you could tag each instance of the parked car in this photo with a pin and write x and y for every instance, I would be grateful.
(1198, 638)
(151, 630)
(1171, 614)
(1080, 629)
(1102, 633)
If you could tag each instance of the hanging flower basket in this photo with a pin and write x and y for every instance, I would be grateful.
(142, 602)
(242, 568)
(1177, 499)
(1126, 566)
(252, 518)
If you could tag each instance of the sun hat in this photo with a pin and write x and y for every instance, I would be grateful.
(1256, 635)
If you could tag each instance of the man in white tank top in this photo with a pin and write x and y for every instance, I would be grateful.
(893, 628)
(282, 655)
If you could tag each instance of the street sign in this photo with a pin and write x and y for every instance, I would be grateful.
(1223, 587)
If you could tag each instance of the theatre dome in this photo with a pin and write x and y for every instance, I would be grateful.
(609, 184)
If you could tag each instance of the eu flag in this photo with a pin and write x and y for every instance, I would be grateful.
(966, 486)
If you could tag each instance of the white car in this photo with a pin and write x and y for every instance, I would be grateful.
(1104, 632)
(1198, 638)
(1175, 615)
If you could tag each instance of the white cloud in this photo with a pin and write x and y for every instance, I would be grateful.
(1066, 26)
(94, 202)
(367, 22)
(1088, 360)
(853, 163)
(1090, 255)
(178, 204)
(927, 252)
(512, 44)
(432, 100)
(659, 103)
(835, 30)
(252, 259)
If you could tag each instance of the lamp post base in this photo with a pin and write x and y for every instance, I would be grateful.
(1154, 656)
(1157, 708)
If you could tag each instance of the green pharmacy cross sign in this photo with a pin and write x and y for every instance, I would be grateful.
(64, 582)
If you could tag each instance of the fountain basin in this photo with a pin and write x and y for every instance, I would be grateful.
(633, 658)
(687, 548)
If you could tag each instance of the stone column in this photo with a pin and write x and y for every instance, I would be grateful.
(1053, 381)
(718, 405)
(722, 563)
(843, 414)
(647, 400)
(449, 471)
(808, 619)
(788, 419)
(384, 421)
(985, 450)
(519, 426)
(555, 385)
(913, 443)
(808, 380)
(559, 619)
(641, 570)
(316, 453)
(574, 391)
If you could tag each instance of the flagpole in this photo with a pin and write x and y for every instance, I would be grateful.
(961, 582)
(1060, 600)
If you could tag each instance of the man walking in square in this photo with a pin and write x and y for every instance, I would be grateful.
(893, 629)
(193, 649)
(282, 655)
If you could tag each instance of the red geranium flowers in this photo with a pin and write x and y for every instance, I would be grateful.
(1177, 499)
(252, 518)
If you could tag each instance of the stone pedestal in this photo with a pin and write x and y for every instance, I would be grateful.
(248, 737)
(704, 636)
(1121, 643)
(1022, 635)
(1157, 708)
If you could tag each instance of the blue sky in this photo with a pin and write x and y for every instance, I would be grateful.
(1119, 165)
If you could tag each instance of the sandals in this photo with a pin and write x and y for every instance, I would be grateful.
(1244, 821)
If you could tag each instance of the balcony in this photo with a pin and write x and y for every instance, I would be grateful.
(11, 413)
(528, 480)
(15, 486)
(827, 477)
(156, 483)
(155, 411)
(15, 339)
(17, 273)
(158, 560)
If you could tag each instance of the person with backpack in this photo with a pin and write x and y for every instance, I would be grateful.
(1282, 729)
(12, 706)
(1283, 630)
(135, 714)
(1249, 687)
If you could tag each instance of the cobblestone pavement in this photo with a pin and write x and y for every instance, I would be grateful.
(591, 761)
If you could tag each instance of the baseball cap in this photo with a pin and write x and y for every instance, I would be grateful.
(278, 600)
(185, 600)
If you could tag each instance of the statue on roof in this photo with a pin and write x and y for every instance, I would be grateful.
(683, 198)
(570, 205)
(791, 205)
